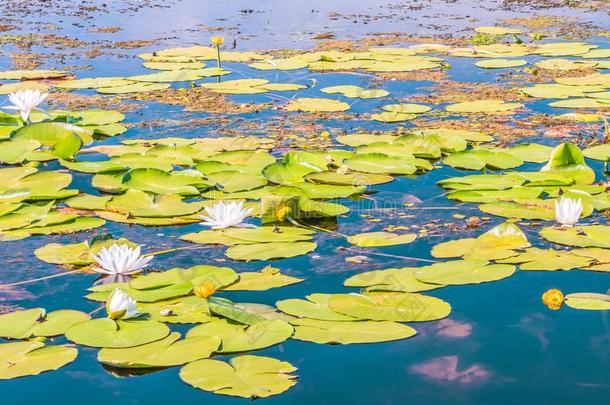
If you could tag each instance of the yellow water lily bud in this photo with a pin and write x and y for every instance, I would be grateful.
(217, 40)
(205, 289)
(553, 299)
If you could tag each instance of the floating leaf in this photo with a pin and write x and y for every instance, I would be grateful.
(471, 271)
(196, 275)
(189, 309)
(405, 108)
(267, 251)
(104, 332)
(567, 159)
(498, 31)
(318, 331)
(314, 307)
(390, 306)
(140, 204)
(380, 163)
(349, 178)
(500, 63)
(478, 159)
(547, 259)
(582, 236)
(399, 280)
(373, 239)
(267, 278)
(20, 359)
(240, 338)
(588, 301)
(497, 243)
(245, 376)
(167, 352)
(316, 105)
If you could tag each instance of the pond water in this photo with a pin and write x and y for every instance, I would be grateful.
(500, 344)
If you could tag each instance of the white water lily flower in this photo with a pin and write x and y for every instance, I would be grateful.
(225, 215)
(25, 101)
(568, 211)
(120, 305)
(120, 260)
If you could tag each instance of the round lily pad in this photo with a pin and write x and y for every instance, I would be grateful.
(240, 338)
(458, 272)
(588, 301)
(104, 332)
(245, 376)
(21, 359)
(314, 307)
(267, 251)
(167, 352)
(373, 239)
(318, 331)
(316, 105)
(500, 63)
(390, 306)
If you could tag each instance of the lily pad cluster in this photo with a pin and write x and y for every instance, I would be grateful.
(219, 326)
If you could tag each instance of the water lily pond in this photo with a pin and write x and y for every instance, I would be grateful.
(338, 203)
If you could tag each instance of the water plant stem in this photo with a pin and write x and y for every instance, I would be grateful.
(39, 279)
(218, 56)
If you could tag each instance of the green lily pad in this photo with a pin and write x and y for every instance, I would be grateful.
(336, 332)
(588, 301)
(196, 275)
(479, 158)
(245, 376)
(528, 209)
(32, 74)
(500, 63)
(379, 163)
(582, 236)
(36, 322)
(458, 272)
(315, 306)
(349, 178)
(104, 332)
(268, 234)
(263, 280)
(233, 181)
(399, 280)
(373, 239)
(498, 31)
(267, 251)
(390, 117)
(102, 292)
(240, 338)
(405, 108)
(499, 242)
(17, 151)
(390, 306)
(547, 259)
(161, 182)
(167, 352)
(189, 309)
(140, 204)
(316, 105)
(21, 359)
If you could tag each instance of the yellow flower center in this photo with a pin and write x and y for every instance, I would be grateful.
(205, 289)
(553, 299)
(217, 40)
